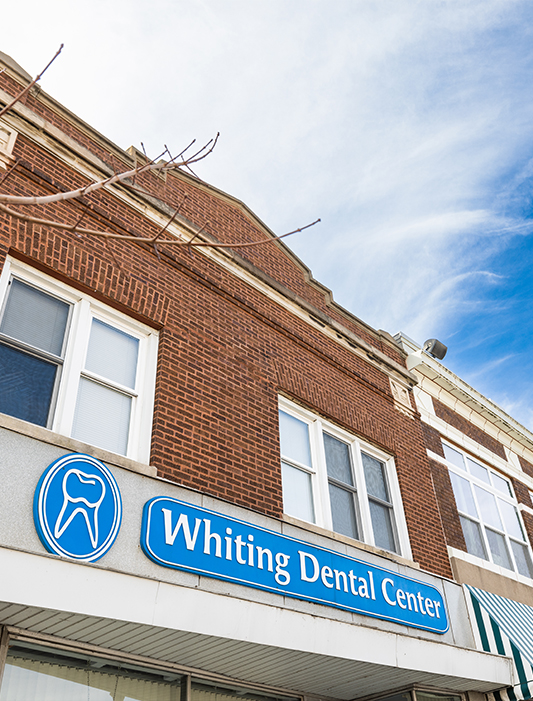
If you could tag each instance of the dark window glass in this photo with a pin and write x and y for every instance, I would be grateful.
(35, 318)
(522, 558)
(26, 385)
(343, 511)
(382, 525)
(338, 459)
(498, 548)
(473, 538)
(376, 483)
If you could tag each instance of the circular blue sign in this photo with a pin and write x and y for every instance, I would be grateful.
(77, 508)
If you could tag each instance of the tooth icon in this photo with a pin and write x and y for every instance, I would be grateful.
(82, 494)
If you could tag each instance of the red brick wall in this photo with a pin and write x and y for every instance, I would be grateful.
(447, 506)
(526, 466)
(226, 351)
(432, 439)
(443, 487)
(522, 496)
(473, 432)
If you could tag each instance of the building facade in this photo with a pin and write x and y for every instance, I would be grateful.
(481, 462)
(216, 482)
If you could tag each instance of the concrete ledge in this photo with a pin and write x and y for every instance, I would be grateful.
(484, 578)
(230, 630)
(71, 444)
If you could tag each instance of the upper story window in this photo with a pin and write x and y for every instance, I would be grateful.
(332, 479)
(492, 526)
(74, 365)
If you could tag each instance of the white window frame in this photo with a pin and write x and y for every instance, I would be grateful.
(320, 484)
(8, 136)
(83, 310)
(510, 498)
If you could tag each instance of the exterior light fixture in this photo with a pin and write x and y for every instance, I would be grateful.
(435, 348)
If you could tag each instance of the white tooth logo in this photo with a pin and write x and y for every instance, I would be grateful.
(82, 494)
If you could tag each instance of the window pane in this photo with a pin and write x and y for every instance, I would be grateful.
(501, 485)
(207, 692)
(338, 459)
(343, 511)
(294, 438)
(382, 525)
(297, 494)
(26, 385)
(510, 519)
(406, 696)
(522, 558)
(463, 494)
(112, 354)
(376, 484)
(478, 470)
(35, 318)
(487, 506)
(498, 548)
(428, 696)
(26, 679)
(454, 456)
(473, 539)
(102, 417)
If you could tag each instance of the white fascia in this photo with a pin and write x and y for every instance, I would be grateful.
(50, 583)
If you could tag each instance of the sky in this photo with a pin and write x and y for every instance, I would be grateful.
(405, 125)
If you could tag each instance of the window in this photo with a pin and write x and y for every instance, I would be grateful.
(73, 365)
(37, 672)
(330, 478)
(491, 523)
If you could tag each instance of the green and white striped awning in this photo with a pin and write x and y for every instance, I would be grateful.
(505, 627)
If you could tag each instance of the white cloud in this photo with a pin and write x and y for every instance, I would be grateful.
(404, 124)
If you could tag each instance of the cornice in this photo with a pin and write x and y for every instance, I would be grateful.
(440, 382)
(42, 132)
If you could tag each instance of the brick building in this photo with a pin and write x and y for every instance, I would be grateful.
(152, 542)
(481, 462)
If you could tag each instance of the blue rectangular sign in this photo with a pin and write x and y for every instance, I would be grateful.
(185, 537)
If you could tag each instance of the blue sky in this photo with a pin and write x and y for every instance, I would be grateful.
(406, 125)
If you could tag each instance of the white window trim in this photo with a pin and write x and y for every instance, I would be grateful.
(84, 309)
(319, 478)
(8, 136)
(489, 566)
(509, 499)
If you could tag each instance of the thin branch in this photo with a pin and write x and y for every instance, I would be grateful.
(257, 243)
(9, 172)
(137, 239)
(113, 256)
(186, 149)
(55, 224)
(156, 251)
(169, 222)
(191, 171)
(82, 215)
(22, 93)
(117, 177)
(190, 241)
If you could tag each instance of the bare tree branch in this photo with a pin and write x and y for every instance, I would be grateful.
(74, 228)
(22, 93)
(9, 172)
(117, 177)
(169, 222)
(82, 215)
(255, 243)
(196, 235)
(128, 178)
